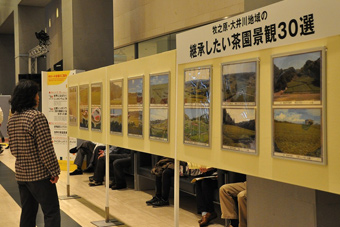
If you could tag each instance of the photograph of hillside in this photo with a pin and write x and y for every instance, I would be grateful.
(239, 129)
(239, 83)
(72, 108)
(159, 89)
(298, 132)
(116, 92)
(197, 86)
(116, 120)
(297, 78)
(83, 106)
(135, 122)
(135, 91)
(159, 123)
(196, 126)
(96, 92)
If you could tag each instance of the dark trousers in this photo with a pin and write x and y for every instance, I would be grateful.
(163, 184)
(205, 195)
(41, 192)
(99, 171)
(118, 167)
(84, 149)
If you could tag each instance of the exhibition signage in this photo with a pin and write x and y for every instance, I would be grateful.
(283, 23)
(54, 106)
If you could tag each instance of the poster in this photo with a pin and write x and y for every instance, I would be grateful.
(96, 106)
(84, 106)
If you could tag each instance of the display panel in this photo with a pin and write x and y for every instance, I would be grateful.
(116, 93)
(84, 106)
(239, 129)
(159, 89)
(135, 91)
(96, 106)
(73, 106)
(197, 126)
(135, 122)
(298, 133)
(197, 86)
(239, 83)
(297, 78)
(159, 124)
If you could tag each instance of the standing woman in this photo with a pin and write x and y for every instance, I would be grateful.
(36, 166)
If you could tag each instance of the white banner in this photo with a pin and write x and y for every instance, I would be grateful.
(283, 23)
(54, 106)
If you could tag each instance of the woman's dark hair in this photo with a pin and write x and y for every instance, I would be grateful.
(23, 97)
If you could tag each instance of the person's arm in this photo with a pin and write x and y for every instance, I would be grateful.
(43, 139)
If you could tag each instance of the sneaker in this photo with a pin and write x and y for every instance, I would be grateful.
(95, 183)
(153, 200)
(161, 203)
(77, 172)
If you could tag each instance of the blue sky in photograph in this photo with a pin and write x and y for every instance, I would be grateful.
(239, 68)
(296, 61)
(158, 114)
(135, 85)
(193, 112)
(297, 116)
(159, 79)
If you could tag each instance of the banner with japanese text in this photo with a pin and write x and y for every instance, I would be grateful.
(54, 106)
(283, 23)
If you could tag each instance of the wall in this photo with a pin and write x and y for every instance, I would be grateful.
(135, 21)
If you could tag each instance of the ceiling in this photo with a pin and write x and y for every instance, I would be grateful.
(7, 6)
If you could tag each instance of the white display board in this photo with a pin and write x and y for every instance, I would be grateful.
(54, 106)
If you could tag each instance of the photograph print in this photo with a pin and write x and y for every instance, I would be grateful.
(298, 134)
(96, 108)
(135, 91)
(239, 129)
(159, 124)
(72, 108)
(135, 122)
(116, 92)
(197, 126)
(159, 89)
(197, 86)
(239, 83)
(116, 120)
(84, 106)
(297, 78)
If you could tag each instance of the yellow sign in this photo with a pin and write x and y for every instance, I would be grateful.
(56, 78)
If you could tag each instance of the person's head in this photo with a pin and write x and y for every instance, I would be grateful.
(25, 96)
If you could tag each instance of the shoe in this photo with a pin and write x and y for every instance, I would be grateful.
(95, 183)
(207, 218)
(74, 150)
(89, 169)
(91, 178)
(77, 172)
(153, 200)
(161, 203)
(1, 150)
(117, 187)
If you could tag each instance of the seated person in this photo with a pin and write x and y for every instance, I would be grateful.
(119, 158)
(205, 184)
(228, 206)
(87, 149)
(164, 171)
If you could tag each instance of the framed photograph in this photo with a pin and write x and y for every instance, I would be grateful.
(135, 91)
(116, 116)
(135, 122)
(197, 86)
(197, 126)
(159, 124)
(298, 134)
(159, 89)
(116, 93)
(96, 106)
(239, 82)
(73, 105)
(297, 78)
(239, 129)
(84, 106)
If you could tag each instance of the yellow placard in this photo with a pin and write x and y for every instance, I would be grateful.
(56, 78)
